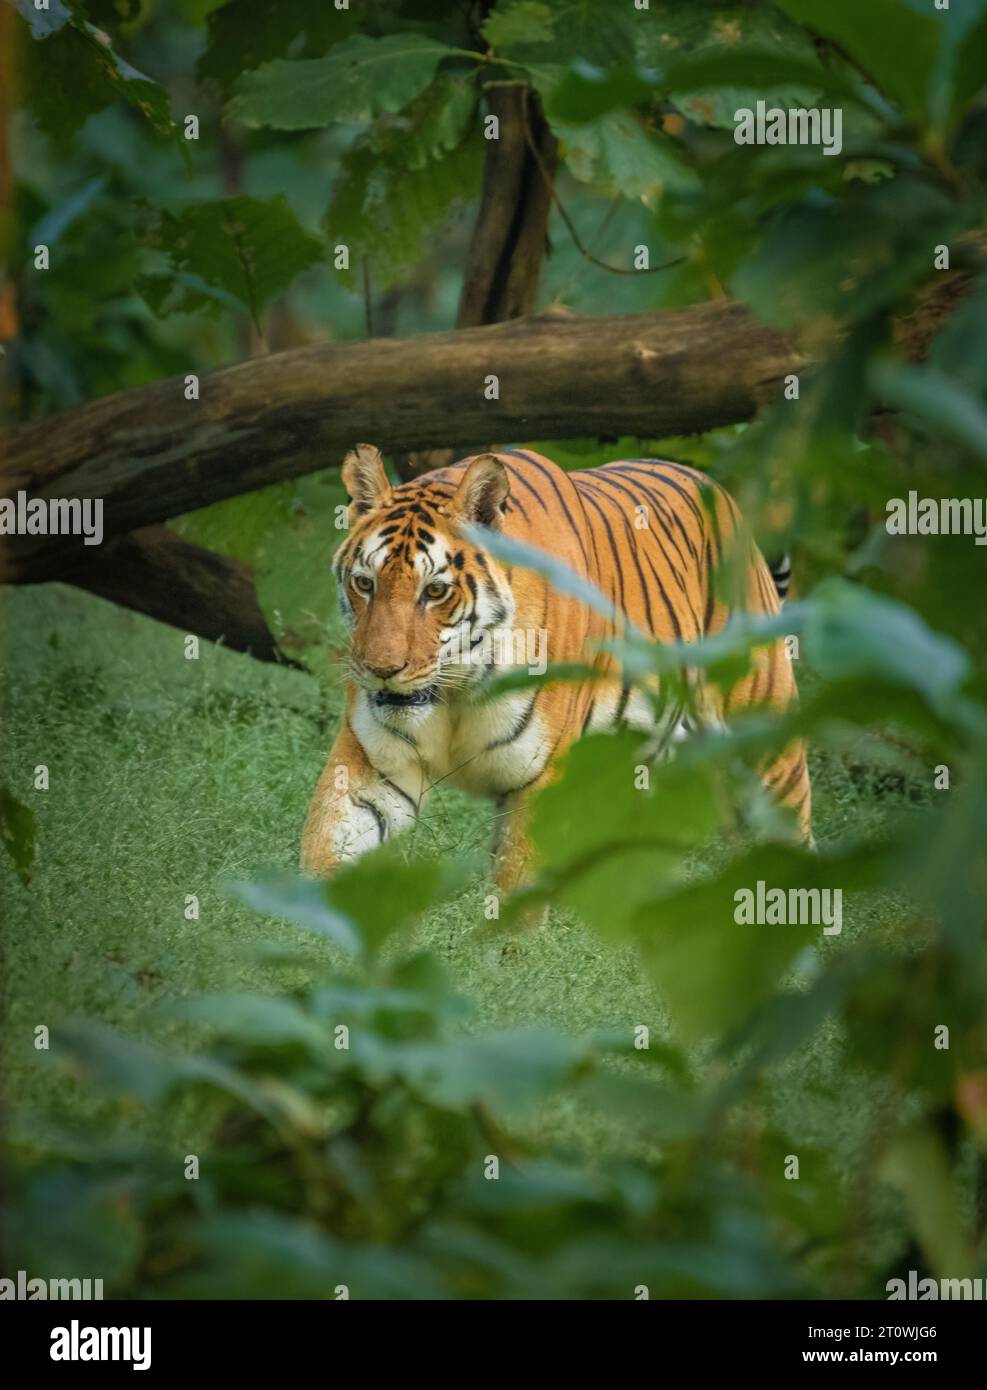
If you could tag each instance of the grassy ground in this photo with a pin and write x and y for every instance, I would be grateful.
(169, 776)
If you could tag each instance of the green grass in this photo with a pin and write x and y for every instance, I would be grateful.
(169, 777)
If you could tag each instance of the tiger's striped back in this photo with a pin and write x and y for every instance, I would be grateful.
(660, 534)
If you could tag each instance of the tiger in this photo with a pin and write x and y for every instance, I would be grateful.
(424, 603)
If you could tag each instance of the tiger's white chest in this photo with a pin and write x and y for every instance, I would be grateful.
(485, 749)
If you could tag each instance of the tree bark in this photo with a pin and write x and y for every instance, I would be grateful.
(508, 245)
(151, 454)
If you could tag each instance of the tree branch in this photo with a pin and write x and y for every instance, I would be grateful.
(155, 571)
(150, 454)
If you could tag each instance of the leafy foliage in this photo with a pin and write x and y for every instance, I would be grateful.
(403, 176)
(242, 36)
(358, 79)
(316, 1096)
(358, 1157)
(617, 155)
(72, 70)
(235, 249)
(536, 35)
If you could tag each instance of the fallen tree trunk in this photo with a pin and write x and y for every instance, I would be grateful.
(151, 454)
(156, 572)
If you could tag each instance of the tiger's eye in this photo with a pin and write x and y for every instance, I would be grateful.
(362, 584)
(437, 589)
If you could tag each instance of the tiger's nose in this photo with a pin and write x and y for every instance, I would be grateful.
(385, 673)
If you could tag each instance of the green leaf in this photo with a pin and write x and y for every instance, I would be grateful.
(889, 40)
(127, 1066)
(588, 31)
(726, 651)
(243, 35)
(432, 125)
(962, 70)
(257, 1021)
(663, 1113)
(942, 866)
(520, 22)
(936, 399)
(71, 71)
(60, 218)
(383, 894)
(247, 248)
(263, 1254)
(302, 901)
(583, 93)
(667, 1056)
(739, 1261)
(383, 214)
(711, 62)
(784, 1024)
(712, 969)
(710, 87)
(493, 686)
(603, 871)
(918, 1166)
(415, 1002)
(563, 579)
(357, 80)
(852, 632)
(402, 179)
(119, 1063)
(18, 830)
(817, 1204)
(364, 902)
(617, 155)
(184, 293)
(902, 999)
(508, 1071)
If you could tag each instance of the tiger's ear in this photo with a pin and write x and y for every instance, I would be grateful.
(364, 477)
(482, 492)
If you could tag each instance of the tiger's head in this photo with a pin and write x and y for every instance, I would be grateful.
(417, 596)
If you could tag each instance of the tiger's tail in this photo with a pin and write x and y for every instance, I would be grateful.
(781, 574)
